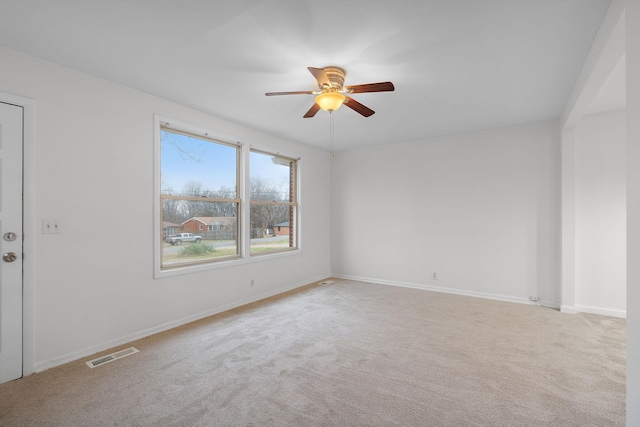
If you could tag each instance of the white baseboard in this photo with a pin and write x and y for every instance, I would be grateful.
(463, 292)
(602, 311)
(593, 310)
(70, 357)
(568, 309)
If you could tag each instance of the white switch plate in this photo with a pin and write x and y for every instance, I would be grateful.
(51, 226)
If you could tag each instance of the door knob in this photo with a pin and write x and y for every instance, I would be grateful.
(9, 257)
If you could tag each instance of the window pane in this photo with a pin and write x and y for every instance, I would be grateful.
(194, 170)
(274, 228)
(179, 211)
(271, 177)
(192, 166)
(273, 203)
(199, 238)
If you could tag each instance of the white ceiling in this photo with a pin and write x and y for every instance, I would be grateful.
(457, 65)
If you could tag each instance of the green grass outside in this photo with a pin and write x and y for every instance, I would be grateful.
(255, 249)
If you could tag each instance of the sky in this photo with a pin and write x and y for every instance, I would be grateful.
(186, 158)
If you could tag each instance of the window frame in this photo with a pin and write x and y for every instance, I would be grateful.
(165, 126)
(295, 194)
(243, 197)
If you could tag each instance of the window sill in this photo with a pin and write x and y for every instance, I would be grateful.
(229, 263)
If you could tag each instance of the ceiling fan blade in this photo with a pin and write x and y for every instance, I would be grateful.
(312, 111)
(358, 108)
(371, 87)
(321, 77)
(300, 92)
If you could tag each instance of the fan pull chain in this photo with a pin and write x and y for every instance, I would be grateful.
(331, 135)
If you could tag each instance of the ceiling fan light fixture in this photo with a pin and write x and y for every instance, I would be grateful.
(330, 101)
(333, 93)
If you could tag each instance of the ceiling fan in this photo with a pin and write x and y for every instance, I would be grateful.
(333, 93)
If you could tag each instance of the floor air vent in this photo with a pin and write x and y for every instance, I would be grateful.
(111, 357)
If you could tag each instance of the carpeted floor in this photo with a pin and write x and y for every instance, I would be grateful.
(348, 354)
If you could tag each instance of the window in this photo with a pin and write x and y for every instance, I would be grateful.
(218, 203)
(199, 190)
(273, 203)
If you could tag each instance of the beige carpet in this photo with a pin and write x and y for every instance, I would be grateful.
(348, 354)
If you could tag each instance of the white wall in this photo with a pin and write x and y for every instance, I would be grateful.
(479, 209)
(94, 283)
(633, 211)
(593, 179)
(568, 233)
(600, 214)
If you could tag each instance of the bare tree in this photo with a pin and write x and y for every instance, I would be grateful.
(261, 216)
(193, 208)
(171, 211)
(266, 216)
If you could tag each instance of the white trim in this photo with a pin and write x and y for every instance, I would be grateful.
(29, 228)
(157, 256)
(88, 351)
(601, 311)
(568, 309)
(245, 190)
(189, 128)
(462, 292)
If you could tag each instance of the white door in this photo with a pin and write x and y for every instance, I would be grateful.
(10, 242)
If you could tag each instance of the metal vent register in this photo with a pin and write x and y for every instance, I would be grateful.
(111, 357)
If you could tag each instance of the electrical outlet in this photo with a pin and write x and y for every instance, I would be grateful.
(434, 276)
(252, 284)
(534, 299)
(51, 226)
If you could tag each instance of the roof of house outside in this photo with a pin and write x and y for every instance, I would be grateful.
(213, 220)
(282, 224)
(167, 224)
